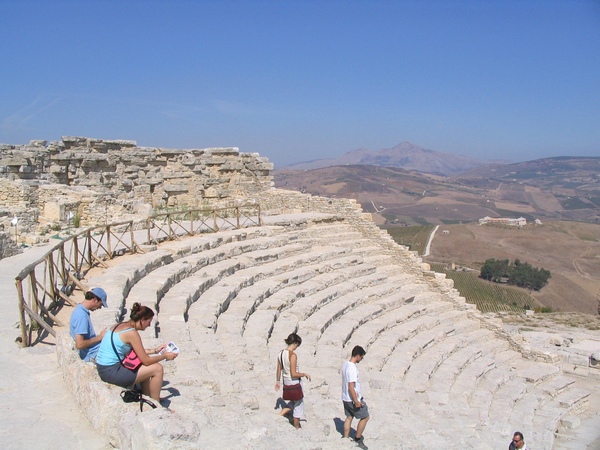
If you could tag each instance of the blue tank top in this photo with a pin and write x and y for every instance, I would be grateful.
(106, 354)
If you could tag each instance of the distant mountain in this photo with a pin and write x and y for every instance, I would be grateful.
(404, 155)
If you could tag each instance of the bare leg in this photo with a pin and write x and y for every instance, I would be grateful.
(360, 427)
(151, 379)
(285, 411)
(297, 423)
(347, 426)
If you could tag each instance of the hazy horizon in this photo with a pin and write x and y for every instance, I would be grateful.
(298, 81)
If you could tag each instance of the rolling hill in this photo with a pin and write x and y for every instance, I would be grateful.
(404, 155)
(562, 193)
(550, 188)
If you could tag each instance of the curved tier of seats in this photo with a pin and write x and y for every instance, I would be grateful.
(437, 374)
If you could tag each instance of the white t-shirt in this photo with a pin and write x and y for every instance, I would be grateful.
(350, 374)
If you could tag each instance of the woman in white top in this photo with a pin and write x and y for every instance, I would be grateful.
(287, 367)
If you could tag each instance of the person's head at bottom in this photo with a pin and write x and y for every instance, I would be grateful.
(518, 441)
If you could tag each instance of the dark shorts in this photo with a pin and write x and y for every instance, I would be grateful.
(357, 413)
(117, 374)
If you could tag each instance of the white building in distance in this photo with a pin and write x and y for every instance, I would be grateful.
(521, 221)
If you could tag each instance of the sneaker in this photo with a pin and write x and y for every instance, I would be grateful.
(360, 443)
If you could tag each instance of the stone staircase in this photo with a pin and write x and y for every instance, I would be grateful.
(437, 373)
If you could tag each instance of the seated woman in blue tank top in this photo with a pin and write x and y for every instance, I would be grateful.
(119, 341)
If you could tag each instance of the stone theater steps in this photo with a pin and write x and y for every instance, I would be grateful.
(229, 299)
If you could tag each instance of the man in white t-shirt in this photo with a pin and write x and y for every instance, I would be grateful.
(354, 403)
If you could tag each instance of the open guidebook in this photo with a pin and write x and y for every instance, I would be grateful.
(171, 347)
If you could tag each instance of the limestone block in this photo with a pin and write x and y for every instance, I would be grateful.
(175, 188)
(579, 360)
(169, 152)
(144, 209)
(14, 161)
(233, 166)
(570, 422)
(131, 169)
(160, 429)
(175, 175)
(212, 192)
(140, 161)
(260, 166)
(213, 160)
(72, 140)
(93, 157)
(54, 211)
(65, 349)
(593, 373)
(234, 151)
(120, 143)
(57, 169)
(251, 402)
(31, 239)
(188, 159)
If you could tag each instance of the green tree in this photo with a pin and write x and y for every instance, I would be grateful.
(518, 273)
(495, 269)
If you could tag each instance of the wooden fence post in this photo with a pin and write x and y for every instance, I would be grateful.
(133, 249)
(21, 300)
(108, 247)
(76, 263)
(88, 237)
(51, 274)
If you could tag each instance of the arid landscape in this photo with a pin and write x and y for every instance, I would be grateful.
(569, 250)
(562, 194)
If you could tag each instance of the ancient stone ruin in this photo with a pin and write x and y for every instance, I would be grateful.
(438, 373)
(84, 182)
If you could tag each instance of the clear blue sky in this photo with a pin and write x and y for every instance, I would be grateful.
(302, 80)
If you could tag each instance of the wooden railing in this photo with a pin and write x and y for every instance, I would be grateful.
(172, 225)
(44, 285)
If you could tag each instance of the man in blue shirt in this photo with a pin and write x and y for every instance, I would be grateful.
(81, 328)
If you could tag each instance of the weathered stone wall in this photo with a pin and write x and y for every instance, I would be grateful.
(104, 181)
(8, 246)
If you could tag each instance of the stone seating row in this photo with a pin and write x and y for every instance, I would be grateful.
(229, 306)
(419, 375)
(484, 330)
(127, 271)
